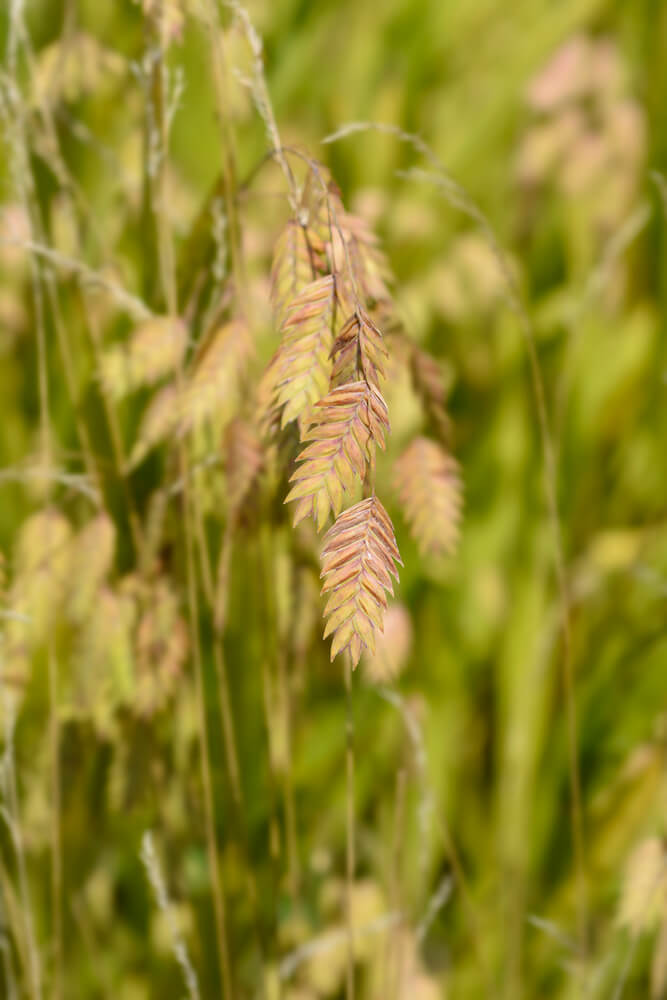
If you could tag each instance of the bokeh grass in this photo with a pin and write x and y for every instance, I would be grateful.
(462, 774)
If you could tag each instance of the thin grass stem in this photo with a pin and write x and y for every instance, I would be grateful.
(169, 286)
(350, 865)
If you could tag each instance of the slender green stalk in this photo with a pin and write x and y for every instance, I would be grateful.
(54, 735)
(220, 81)
(293, 867)
(349, 829)
(76, 200)
(269, 632)
(54, 726)
(56, 844)
(393, 958)
(168, 280)
(279, 681)
(457, 196)
(33, 960)
(115, 435)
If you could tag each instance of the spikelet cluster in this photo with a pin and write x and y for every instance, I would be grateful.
(328, 275)
(330, 291)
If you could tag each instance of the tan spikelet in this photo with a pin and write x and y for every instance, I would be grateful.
(266, 408)
(304, 355)
(644, 890)
(297, 260)
(322, 206)
(358, 561)
(428, 483)
(243, 460)
(92, 556)
(213, 391)
(345, 426)
(161, 647)
(358, 349)
(69, 70)
(154, 350)
(393, 646)
(429, 384)
(351, 245)
(368, 261)
(42, 570)
(104, 666)
(160, 419)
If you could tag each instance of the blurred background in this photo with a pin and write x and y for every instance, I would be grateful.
(468, 882)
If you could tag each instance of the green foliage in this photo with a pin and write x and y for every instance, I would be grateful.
(189, 329)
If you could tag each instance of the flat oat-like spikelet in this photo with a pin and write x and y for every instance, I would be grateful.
(429, 384)
(297, 259)
(368, 260)
(159, 420)
(214, 388)
(358, 561)
(428, 483)
(154, 350)
(359, 346)
(266, 409)
(644, 886)
(42, 570)
(243, 460)
(92, 557)
(304, 355)
(344, 427)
